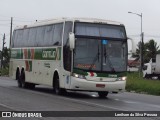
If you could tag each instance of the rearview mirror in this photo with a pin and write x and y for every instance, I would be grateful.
(133, 45)
(71, 40)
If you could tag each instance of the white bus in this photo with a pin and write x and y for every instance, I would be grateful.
(78, 54)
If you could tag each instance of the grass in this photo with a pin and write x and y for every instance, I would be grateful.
(4, 72)
(140, 85)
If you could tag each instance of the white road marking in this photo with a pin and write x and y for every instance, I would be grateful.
(6, 106)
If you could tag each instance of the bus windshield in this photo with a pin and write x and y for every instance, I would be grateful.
(100, 48)
(93, 54)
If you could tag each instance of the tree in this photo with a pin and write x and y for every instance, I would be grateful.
(137, 54)
(6, 57)
(150, 49)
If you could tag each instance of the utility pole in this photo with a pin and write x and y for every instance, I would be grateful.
(10, 42)
(4, 37)
(142, 49)
(141, 45)
(141, 56)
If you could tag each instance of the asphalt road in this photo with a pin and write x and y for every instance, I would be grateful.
(42, 98)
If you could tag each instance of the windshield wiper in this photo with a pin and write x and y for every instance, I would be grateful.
(95, 59)
(107, 59)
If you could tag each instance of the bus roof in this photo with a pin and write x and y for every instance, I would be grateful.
(59, 20)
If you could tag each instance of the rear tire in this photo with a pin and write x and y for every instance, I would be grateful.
(29, 85)
(102, 94)
(22, 79)
(19, 83)
(23, 84)
(17, 74)
(18, 78)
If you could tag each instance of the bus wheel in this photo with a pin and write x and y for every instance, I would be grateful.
(17, 74)
(19, 83)
(18, 78)
(31, 85)
(102, 94)
(26, 84)
(22, 79)
(57, 89)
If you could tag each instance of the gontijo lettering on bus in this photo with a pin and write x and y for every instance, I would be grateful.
(48, 54)
(37, 54)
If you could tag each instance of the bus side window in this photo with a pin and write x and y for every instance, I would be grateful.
(32, 37)
(25, 37)
(40, 36)
(18, 39)
(57, 37)
(48, 36)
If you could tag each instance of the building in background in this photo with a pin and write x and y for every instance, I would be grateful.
(133, 64)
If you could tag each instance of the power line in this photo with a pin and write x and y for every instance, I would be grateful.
(4, 16)
(146, 35)
(22, 21)
(4, 25)
(4, 20)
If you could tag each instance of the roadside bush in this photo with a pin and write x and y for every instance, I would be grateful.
(4, 72)
(138, 84)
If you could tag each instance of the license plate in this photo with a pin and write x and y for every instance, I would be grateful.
(100, 85)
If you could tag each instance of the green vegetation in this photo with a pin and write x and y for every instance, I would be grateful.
(140, 85)
(150, 49)
(4, 72)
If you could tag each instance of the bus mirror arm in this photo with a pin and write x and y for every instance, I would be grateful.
(71, 41)
(72, 46)
(133, 45)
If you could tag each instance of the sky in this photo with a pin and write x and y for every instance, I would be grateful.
(28, 11)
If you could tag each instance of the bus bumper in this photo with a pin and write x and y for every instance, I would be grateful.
(85, 85)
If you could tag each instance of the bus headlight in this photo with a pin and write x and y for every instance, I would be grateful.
(121, 78)
(79, 76)
(124, 78)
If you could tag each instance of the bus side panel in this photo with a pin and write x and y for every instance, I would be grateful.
(39, 64)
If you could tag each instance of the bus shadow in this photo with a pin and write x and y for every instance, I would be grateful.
(70, 94)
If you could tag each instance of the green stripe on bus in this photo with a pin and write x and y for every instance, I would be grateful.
(37, 54)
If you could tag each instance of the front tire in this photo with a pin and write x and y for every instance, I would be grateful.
(102, 94)
(21, 79)
(57, 89)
